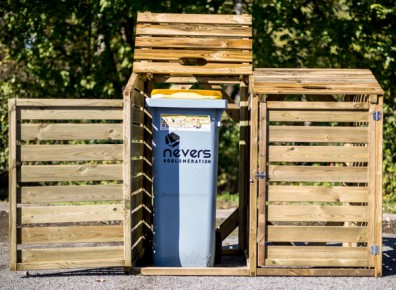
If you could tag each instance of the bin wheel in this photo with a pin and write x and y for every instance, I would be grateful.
(217, 247)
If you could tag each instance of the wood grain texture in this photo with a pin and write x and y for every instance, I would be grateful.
(67, 264)
(71, 114)
(191, 42)
(71, 234)
(317, 173)
(325, 272)
(71, 193)
(69, 103)
(333, 234)
(317, 116)
(318, 105)
(69, 214)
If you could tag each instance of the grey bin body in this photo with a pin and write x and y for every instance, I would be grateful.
(185, 142)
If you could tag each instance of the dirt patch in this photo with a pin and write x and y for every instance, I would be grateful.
(3, 227)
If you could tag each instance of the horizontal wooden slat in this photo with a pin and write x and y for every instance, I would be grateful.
(318, 105)
(65, 264)
(71, 131)
(318, 134)
(182, 29)
(193, 271)
(88, 152)
(317, 173)
(318, 154)
(72, 234)
(318, 272)
(194, 18)
(315, 90)
(317, 213)
(65, 214)
(188, 42)
(336, 234)
(326, 262)
(317, 116)
(237, 56)
(84, 172)
(72, 193)
(70, 103)
(208, 69)
(72, 254)
(71, 114)
(317, 252)
(318, 193)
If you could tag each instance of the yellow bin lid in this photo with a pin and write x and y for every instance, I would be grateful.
(186, 94)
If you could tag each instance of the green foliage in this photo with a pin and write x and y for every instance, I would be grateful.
(84, 49)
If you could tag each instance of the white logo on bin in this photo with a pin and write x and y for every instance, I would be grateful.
(184, 155)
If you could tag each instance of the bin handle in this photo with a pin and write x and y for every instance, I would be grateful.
(193, 61)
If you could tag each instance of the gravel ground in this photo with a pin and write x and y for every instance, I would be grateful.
(115, 278)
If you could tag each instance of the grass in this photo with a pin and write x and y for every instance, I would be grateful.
(227, 200)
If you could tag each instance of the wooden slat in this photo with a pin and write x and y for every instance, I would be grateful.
(237, 56)
(326, 272)
(317, 116)
(183, 29)
(85, 172)
(316, 90)
(194, 18)
(69, 103)
(317, 213)
(318, 154)
(318, 105)
(71, 131)
(65, 264)
(64, 214)
(317, 173)
(86, 152)
(187, 271)
(72, 254)
(72, 234)
(229, 225)
(317, 193)
(71, 114)
(137, 99)
(326, 262)
(333, 234)
(12, 182)
(317, 252)
(318, 134)
(72, 193)
(208, 69)
(189, 42)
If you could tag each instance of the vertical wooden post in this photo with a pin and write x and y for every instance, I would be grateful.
(378, 188)
(243, 165)
(262, 187)
(127, 178)
(253, 187)
(12, 186)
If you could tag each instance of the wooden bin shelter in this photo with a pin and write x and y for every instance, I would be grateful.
(316, 168)
(181, 51)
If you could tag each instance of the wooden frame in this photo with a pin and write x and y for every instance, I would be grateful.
(359, 188)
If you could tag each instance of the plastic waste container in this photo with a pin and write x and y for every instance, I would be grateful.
(185, 141)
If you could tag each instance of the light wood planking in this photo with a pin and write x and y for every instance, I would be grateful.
(318, 105)
(194, 18)
(69, 103)
(86, 152)
(67, 264)
(71, 114)
(12, 182)
(326, 262)
(317, 173)
(71, 131)
(72, 193)
(318, 134)
(209, 55)
(72, 234)
(187, 271)
(326, 272)
(183, 29)
(69, 214)
(333, 234)
(72, 254)
(176, 68)
(318, 154)
(317, 193)
(190, 42)
(317, 213)
(317, 252)
(317, 116)
(84, 172)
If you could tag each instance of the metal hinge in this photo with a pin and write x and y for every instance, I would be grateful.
(376, 115)
(375, 250)
(261, 175)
